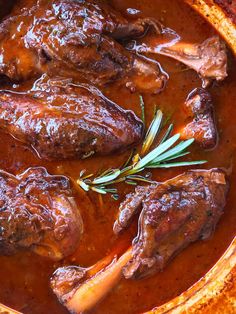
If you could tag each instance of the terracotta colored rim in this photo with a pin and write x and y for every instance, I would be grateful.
(6, 310)
(214, 293)
(221, 14)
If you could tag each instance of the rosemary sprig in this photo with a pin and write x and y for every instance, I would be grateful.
(163, 156)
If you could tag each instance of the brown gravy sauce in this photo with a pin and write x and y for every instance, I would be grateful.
(25, 276)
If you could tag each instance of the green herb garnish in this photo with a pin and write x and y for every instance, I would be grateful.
(164, 155)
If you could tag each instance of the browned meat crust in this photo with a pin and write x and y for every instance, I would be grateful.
(38, 212)
(75, 39)
(5, 7)
(130, 207)
(173, 214)
(68, 121)
(202, 125)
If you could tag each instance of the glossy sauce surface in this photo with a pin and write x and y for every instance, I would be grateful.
(25, 276)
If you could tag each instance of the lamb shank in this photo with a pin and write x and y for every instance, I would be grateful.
(38, 212)
(78, 39)
(61, 120)
(173, 214)
(208, 59)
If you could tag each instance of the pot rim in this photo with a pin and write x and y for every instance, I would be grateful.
(216, 291)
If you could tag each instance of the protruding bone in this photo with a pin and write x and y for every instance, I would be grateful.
(208, 59)
(92, 284)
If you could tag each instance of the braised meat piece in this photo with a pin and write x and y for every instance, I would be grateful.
(202, 126)
(5, 7)
(208, 59)
(130, 207)
(74, 39)
(39, 213)
(68, 121)
(173, 214)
